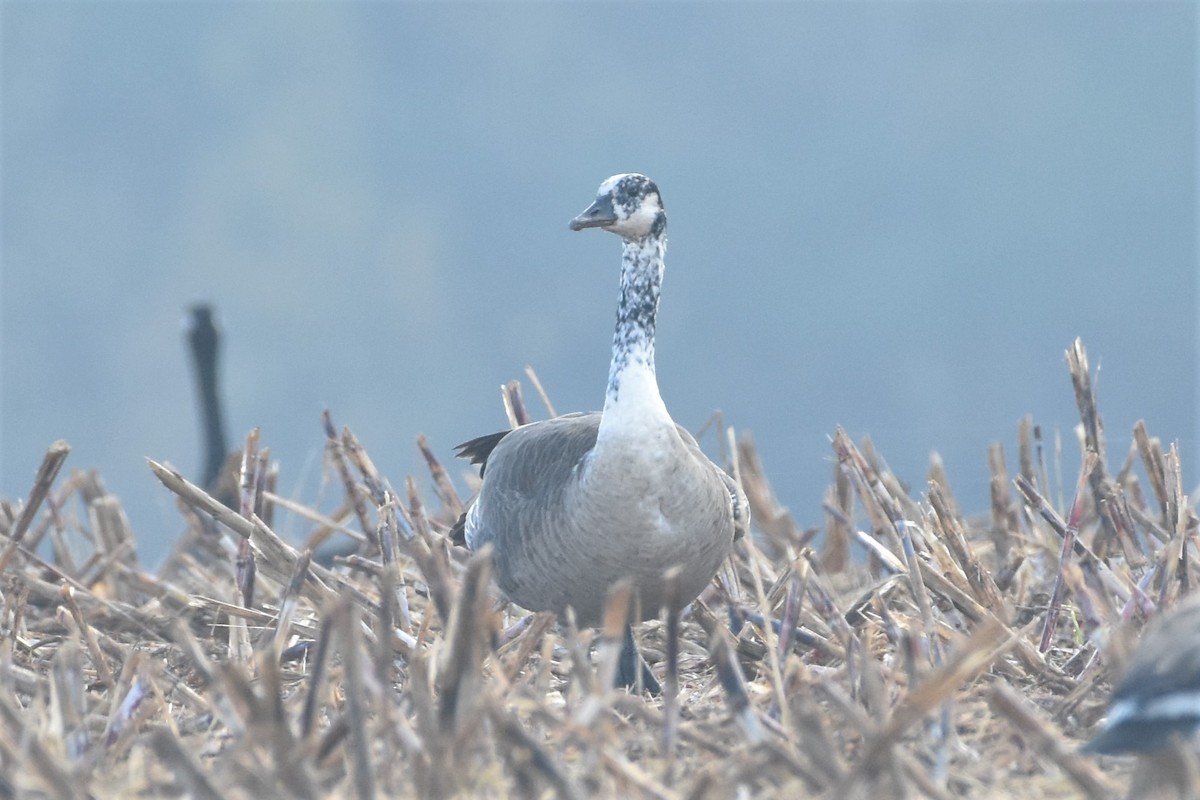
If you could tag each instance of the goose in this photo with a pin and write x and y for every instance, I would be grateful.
(1159, 697)
(574, 504)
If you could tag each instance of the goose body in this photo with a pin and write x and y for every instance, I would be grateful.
(1159, 696)
(574, 504)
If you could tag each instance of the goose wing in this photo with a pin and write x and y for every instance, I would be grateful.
(531, 480)
(739, 507)
(534, 464)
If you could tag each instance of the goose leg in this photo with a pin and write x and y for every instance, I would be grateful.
(631, 664)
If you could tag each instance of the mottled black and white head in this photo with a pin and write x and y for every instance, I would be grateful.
(628, 205)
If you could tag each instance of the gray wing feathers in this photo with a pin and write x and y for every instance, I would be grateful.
(739, 507)
(528, 473)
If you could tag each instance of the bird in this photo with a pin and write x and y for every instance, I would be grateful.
(1158, 699)
(575, 504)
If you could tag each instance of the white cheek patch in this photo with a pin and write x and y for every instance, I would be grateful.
(643, 218)
(637, 224)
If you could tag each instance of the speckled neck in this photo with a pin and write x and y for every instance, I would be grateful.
(632, 385)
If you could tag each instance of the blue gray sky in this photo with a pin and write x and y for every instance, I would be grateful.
(889, 216)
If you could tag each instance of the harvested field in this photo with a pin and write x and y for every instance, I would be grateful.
(959, 657)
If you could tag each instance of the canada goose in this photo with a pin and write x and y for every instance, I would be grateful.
(574, 504)
(1159, 696)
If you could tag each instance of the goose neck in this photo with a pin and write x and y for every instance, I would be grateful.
(632, 385)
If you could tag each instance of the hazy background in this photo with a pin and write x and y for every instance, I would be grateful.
(892, 217)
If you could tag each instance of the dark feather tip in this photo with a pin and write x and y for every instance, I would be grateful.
(477, 450)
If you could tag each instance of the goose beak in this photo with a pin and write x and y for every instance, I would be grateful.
(597, 215)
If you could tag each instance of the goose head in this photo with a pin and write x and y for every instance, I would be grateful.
(628, 205)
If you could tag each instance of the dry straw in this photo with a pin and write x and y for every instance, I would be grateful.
(959, 657)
